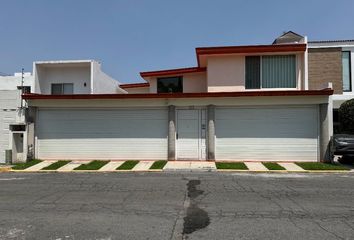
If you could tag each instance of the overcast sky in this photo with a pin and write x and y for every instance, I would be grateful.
(130, 36)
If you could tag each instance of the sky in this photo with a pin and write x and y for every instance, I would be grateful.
(131, 36)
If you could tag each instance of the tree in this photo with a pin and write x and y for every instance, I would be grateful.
(346, 116)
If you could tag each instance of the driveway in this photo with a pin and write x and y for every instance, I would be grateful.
(176, 206)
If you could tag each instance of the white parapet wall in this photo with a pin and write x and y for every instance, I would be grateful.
(102, 83)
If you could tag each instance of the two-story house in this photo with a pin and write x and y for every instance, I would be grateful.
(240, 103)
(56, 78)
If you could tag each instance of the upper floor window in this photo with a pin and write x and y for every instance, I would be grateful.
(346, 65)
(170, 85)
(62, 88)
(278, 71)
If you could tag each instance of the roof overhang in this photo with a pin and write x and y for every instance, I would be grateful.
(134, 85)
(204, 52)
(170, 72)
(324, 92)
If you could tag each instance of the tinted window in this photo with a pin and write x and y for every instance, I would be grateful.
(62, 88)
(170, 85)
(253, 73)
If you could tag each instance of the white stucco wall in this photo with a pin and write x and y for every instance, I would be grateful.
(226, 73)
(11, 82)
(102, 83)
(78, 74)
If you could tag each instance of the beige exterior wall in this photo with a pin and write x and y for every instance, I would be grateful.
(226, 73)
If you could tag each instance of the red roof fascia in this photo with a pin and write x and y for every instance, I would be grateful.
(134, 85)
(324, 92)
(172, 72)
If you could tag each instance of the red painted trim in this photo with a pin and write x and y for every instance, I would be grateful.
(252, 49)
(276, 48)
(134, 85)
(324, 92)
(172, 72)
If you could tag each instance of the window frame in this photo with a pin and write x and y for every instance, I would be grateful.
(350, 72)
(62, 88)
(180, 78)
(261, 75)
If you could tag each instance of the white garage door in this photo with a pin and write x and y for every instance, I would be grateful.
(102, 134)
(267, 133)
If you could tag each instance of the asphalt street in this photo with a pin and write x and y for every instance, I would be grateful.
(176, 206)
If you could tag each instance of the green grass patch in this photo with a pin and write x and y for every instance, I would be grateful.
(321, 166)
(273, 166)
(158, 164)
(21, 166)
(231, 165)
(128, 165)
(94, 165)
(56, 165)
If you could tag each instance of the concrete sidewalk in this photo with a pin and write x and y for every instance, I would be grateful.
(189, 166)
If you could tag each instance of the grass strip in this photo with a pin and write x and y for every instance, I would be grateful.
(158, 164)
(128, 165)
(56, 165)
(273, 166)
(21, 166)
(320, 166)
(231, 165)
(94, 165)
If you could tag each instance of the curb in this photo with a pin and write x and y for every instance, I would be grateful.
(177, 170)
(83, 171)
(5, 169)
(285, 171)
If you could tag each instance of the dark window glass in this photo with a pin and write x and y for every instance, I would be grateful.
(62, 88)
(26, 89)
(170, 85)
(347, 81)
(253, 73)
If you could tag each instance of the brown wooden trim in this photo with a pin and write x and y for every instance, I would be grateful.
(172, 72)
(134, 85)
(284, 93)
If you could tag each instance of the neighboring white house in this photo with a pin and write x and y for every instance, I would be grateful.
(11, 112)
(239, 103)
(49, 77)
(72, 77)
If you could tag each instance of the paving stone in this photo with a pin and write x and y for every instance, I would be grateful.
(143, 166)
(177, 165)
(71, 165)
(203, 165)
(111, 166)
(256, 166)
(39, 166)
(291, 166)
